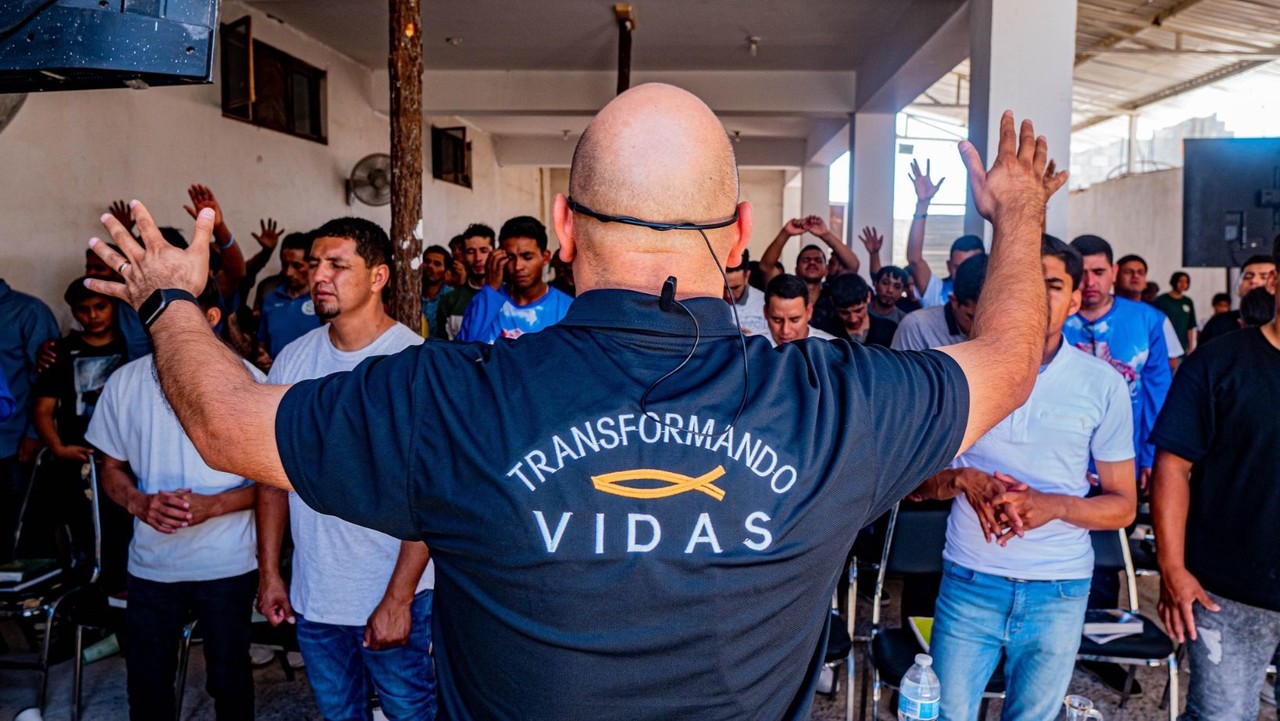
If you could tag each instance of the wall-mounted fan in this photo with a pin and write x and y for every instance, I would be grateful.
(370, 180)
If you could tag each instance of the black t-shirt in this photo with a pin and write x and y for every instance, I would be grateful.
(76, 380)
(592, 563)
(880, 333)
(1221, 416)
(1219, 325)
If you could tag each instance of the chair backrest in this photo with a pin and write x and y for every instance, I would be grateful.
(1111, 553)
(915, 540)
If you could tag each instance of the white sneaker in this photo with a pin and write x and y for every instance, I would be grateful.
(295, 660)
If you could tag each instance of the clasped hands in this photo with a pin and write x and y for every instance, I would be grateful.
(1006, 507)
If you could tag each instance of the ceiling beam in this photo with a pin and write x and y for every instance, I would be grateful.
(539, 92)
(1262, 54)
(1111, 40)
(554, 152)
(1165, 93)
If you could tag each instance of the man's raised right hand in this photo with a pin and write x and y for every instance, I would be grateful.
(158, 265)
(1017, 182)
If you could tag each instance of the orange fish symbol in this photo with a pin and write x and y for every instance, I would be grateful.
(677, 483)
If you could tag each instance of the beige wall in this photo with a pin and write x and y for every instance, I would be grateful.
(1142, 214)
(67, 155)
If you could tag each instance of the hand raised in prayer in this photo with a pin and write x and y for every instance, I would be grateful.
(158, 265)
(1016, 181)
(269, 235)
(872, 239)
(795, 226)
(389, 625)
(1053, 180)
(816, 225)
(120, 210)
(924, 185)
(202, 197)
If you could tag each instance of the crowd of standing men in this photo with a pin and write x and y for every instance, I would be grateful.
(1108, 425)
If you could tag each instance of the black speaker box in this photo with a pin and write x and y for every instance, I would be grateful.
(1230, 200)
(84, 44)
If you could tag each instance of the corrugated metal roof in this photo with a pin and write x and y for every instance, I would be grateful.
(1132, 53)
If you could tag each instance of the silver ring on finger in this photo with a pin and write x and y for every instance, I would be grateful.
(120, 268)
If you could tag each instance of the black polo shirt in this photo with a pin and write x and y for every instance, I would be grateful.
(594, 563)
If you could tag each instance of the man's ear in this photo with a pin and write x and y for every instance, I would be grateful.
(214, 316)
(1077, 296)
(562, 220)
(381, 274)
(742, 237)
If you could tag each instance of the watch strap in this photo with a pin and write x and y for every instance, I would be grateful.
(155, 304)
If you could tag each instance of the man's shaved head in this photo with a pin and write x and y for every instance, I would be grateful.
(657, 153)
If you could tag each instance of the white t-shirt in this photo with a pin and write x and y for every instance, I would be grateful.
(750, 309)
(1079, 407)
(340, 570)
(133, 422)
(935, 292)
(1171, 339)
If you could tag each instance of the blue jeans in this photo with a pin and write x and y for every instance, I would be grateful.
(1231, 649)
(338, 666)
(1036, 624)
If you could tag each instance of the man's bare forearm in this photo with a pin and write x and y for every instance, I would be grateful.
(941, 487)
(1103, 512)
(921, 273)
(237, 499)
(1170, 503)
(410, 564)
(229, 416)
(271, 516)
(842, 251)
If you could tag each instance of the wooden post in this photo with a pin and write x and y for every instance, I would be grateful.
(626, 17)
(405, 67)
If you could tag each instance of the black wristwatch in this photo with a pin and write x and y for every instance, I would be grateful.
(157, 302)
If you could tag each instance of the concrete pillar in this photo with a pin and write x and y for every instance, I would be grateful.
(815, 190)
(873, 143)
(1022, 53)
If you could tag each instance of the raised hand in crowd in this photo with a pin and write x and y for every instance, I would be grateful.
(120, 211)
(495, 268)
(269, 234)
(925, 189)
(923, 183)
(816, 225)
(873, 242)
(795, 226)
(202, 197)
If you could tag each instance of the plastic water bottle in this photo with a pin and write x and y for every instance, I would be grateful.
(919, 692)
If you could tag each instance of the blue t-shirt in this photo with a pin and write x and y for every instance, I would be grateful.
(430, 309)
(285, 319)
(493, 314)
(25, 324)
(593, 563)
(1130, 337)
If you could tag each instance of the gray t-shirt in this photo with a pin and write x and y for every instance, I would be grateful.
(340, 570)
(928, 328)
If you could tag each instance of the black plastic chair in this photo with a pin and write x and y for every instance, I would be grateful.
(1152, 647)
(36, 603)
(920, 536)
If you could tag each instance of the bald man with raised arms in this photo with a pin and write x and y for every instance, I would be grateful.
(630, 548)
